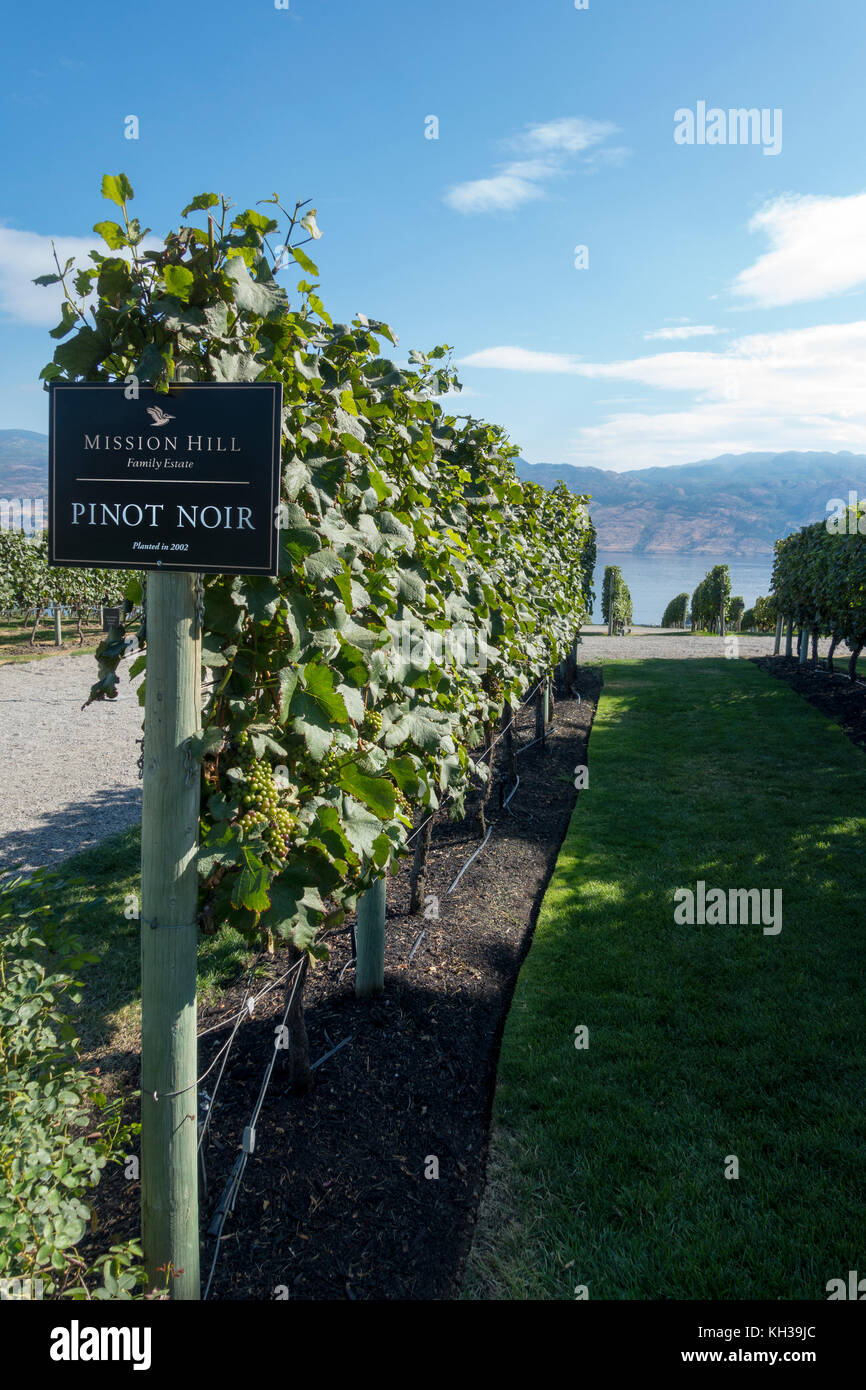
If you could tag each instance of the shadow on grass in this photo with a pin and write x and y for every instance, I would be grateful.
(100, 888)
(79, 825)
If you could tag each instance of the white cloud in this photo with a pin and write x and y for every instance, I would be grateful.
(24, 255)
(818, 249)
(500, 193)
(571, 134)
(800, 389)
(693, 330)
(547, 149)
(515, 359)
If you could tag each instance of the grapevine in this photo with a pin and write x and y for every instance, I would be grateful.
(422, 586)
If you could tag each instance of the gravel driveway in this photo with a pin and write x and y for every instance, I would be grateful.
(647, 642)
(68, 777)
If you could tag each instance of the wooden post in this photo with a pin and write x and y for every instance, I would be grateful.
(300, 1073)
(778, 642)
(370, 941)
(540, 712)
(58, 627)
(487, 788)
(418, 876)
(789, 638)
(507, 717)
(169, 937)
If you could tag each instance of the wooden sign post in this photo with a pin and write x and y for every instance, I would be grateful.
(169, 937)
(176, 484)
(370, 941)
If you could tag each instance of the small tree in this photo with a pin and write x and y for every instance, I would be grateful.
(676, 613)
(616, 604)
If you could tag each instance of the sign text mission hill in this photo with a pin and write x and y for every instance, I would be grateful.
(184, 480)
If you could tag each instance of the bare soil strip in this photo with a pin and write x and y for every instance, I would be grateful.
(335, 1203)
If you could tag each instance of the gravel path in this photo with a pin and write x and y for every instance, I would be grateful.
(597, 646)
(68, 776)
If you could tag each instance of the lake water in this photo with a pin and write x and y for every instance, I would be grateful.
(653, 580)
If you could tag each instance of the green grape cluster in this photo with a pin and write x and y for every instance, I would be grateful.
(372, 725)
(331, 762)
(402, 802)
(492, 683)
(265, 808)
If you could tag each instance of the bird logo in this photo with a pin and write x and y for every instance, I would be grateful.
(158, 415)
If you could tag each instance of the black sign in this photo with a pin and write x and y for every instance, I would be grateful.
(110, 618)
(184, 481)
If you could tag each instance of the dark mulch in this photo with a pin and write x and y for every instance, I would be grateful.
(334, 1203)
(832, 693)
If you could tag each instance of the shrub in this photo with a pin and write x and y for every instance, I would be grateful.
(615, 599)
(711, 601)
(53, 1147)
(677, 611)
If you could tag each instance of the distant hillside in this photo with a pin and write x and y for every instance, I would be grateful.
(738, 504)
(23, 464)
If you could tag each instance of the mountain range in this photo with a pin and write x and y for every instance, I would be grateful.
(23, 464)
(737, 504)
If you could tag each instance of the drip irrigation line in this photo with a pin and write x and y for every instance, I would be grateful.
(470, 860)
(503, 732)
(518, 751)
(226, 1202)
(418, 941)
(510, 794)
(332, 1051)
(493, 743)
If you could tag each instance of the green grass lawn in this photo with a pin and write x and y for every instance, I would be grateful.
(109, 1015)
(607, 1165)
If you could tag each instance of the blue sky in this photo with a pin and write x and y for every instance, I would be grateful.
(555, 130)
